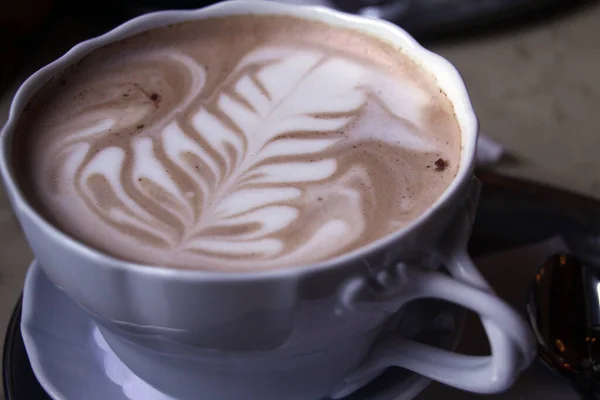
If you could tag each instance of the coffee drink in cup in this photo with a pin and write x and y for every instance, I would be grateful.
(240, 143)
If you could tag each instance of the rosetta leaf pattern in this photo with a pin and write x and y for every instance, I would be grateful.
(226, 179)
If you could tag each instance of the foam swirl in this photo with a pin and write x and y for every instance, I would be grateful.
(282, 162)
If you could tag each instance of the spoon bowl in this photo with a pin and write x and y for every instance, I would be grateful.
(564, 312)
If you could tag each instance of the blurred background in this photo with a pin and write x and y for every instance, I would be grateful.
(532, 68)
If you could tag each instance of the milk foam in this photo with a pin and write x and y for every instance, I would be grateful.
(294, 152)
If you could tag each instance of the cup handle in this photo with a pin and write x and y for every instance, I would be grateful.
(511, 341)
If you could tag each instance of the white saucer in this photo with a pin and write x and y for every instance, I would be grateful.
(72, 361)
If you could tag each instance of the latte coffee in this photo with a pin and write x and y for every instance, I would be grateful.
(240, 143)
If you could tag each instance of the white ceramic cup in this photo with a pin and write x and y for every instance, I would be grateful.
(295, 334)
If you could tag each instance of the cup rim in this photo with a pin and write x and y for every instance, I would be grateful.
(381, 29)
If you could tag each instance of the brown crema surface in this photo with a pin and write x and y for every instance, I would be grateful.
(239, 143)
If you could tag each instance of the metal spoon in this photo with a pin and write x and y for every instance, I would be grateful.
(564, 311)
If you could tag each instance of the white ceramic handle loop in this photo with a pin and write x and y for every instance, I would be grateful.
(511, 341)
(510, 338)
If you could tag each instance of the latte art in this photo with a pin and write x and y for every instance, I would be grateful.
(284, 152)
